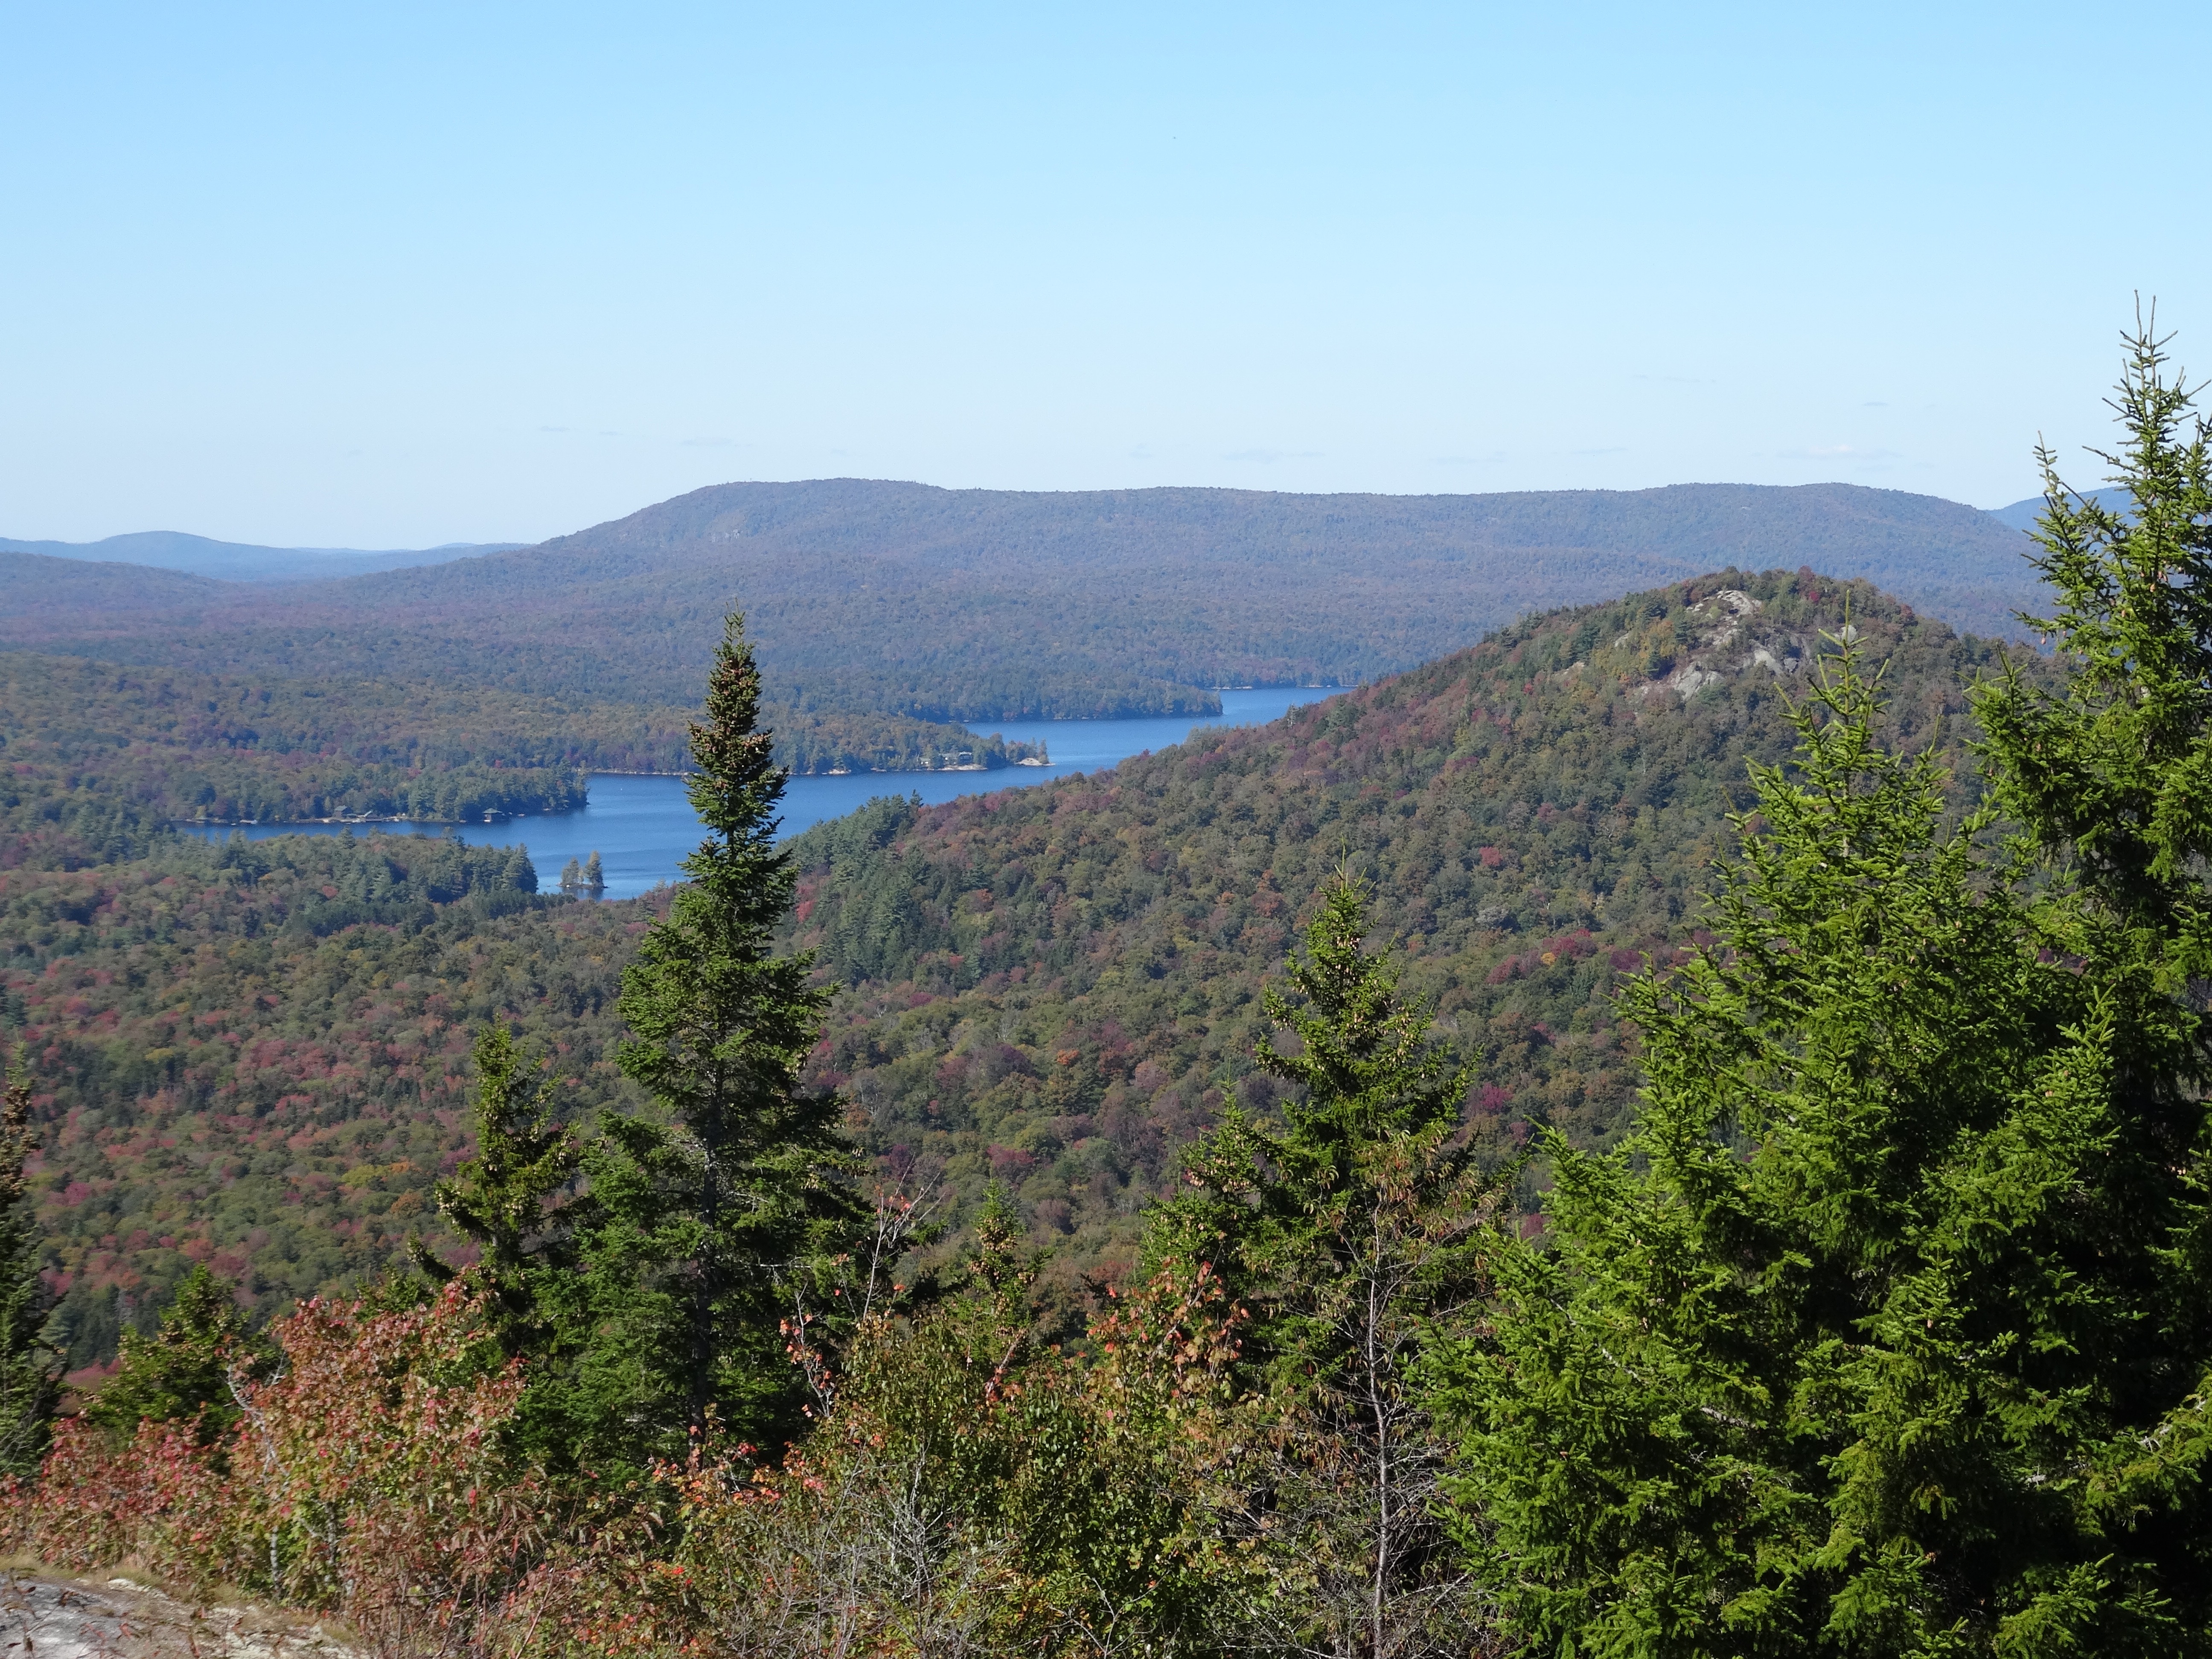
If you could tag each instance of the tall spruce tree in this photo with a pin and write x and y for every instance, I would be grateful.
(539, 1303)
(1345, 1234)
(741, 1197)
(29, 1388)
(1769, 1383)
(2112, 779)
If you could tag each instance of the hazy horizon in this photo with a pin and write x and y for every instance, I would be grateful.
(460, 548)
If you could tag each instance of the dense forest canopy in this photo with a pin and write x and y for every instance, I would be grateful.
(1055, 987)
(1680, 1129)
(255, 1055)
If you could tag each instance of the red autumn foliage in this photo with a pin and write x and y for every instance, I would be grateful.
(367, 1479)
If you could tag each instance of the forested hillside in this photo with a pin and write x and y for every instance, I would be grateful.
(973, 605)
(47, 597)
(1681, 1129)
(1056, 986)
(256, 1055)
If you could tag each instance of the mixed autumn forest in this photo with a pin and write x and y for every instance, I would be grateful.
(1560, 1146)
(104, 752)
(1052, 986)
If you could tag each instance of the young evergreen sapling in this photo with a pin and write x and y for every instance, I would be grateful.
(191, 1370)
(501, 1200)
(1347, 1236)
(539, 1303)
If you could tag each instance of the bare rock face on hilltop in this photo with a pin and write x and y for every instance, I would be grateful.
(1727, 639)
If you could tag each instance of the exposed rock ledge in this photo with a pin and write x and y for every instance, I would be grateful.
(56, 1618)
(1711, 659)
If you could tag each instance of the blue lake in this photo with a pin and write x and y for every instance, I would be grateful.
(642, 828)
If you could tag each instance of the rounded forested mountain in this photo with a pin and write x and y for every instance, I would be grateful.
(1055, 986)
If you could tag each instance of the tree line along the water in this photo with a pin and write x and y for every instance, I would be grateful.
(94, 751)
(1879, 1329)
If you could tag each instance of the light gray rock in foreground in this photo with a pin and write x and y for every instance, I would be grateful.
(45, 1617)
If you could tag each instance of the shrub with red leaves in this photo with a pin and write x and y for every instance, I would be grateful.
(365, 1479)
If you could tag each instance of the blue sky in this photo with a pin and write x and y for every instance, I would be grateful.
(387, 276)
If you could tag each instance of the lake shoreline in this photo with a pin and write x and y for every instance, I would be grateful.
(642, 825)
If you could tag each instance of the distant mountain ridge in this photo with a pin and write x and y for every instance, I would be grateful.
(972, 606)
(2022, 515)
(242, 562)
